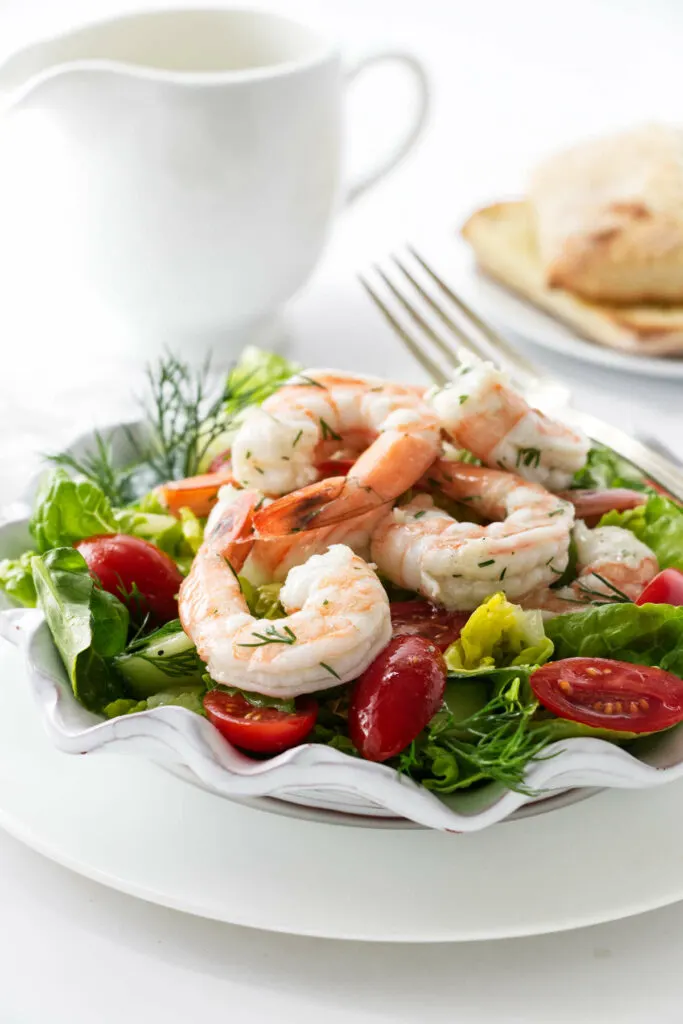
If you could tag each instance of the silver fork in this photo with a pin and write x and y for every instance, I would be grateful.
(442, 332)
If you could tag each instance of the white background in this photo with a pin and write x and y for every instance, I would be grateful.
(511, 80)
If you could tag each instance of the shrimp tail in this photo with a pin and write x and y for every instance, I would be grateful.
(321, 504)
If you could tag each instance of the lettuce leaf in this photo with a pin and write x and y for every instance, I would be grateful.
(604, 469)
(263, 601)
(88, 625)
(648, 635)
(190, 699)
(499, 634)
(659, 524)
(16, 579)
(67, 511)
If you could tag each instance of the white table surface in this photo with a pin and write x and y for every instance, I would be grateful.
(511, 81)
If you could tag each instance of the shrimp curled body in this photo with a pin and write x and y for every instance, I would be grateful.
(460, 564)
(483, 413)
(337, 618)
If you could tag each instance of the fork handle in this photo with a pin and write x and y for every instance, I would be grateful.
(662, 470)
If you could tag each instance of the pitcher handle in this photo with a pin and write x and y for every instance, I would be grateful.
(414, 130)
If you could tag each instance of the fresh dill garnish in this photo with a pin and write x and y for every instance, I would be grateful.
(272, 635)
(489, 561)
(529, 457)
(304, 381)
(557, 512)
(418, 515)
(297, 439)
(462, 399)
(501, 465)
(328, 432)
(98, 466)
(329, 669)
(502, 575)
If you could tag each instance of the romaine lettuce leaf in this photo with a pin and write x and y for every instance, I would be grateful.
(190, 699)
(648, 635)
(16, 579)
(88, 625)
(659, 524)
(499, 634)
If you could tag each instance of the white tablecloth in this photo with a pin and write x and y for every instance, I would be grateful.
(511, 80)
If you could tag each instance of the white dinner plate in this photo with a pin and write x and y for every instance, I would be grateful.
(134, 827)
(513, 316)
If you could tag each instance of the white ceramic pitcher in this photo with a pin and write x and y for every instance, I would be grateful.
(182, 167)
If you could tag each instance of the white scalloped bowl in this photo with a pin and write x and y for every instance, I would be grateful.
(312, 780)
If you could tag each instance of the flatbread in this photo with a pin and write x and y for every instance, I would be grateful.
(503, 238)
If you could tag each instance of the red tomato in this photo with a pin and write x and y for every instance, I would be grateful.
(610, 694)
(119, 561)
(396, 696)
(221, 461)
(334, 467)
(420, 618)
(665, 588)
(260, 730)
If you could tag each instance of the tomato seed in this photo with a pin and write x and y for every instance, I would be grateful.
(598, 706)
(565, 686)
(609, 708)
(618, 707)
(643, 704)
(592, 671)
(633, 707)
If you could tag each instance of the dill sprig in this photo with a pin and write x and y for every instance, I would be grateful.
(272, 635)
(98, 466)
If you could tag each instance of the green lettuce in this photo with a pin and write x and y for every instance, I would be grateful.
(499, 634)
(605, 469)
(67, 511)
(659, 524)
(89, 626)
(190, 699)
(263, 601)
(16, 579)
(648, 635)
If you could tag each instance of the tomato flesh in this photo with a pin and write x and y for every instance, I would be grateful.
(334, 467)
(259, 730)
(396, 696)
(610, 694)
(665, 588)
(420, 618)
(135, 571)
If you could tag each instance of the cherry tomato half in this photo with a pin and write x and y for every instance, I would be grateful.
(260, 730)
(610, 694)
(665, 588)
(420, 618)
(396, 696)
(119, 562)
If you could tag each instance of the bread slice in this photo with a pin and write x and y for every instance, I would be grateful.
(504, 242)
(609, 217)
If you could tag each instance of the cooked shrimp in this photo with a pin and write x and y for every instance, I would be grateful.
(337, 614)
(460, 564)
(610, 561)
(592, 505)
(483, 413)
(279, 444)
(198, 493)
(270, 559)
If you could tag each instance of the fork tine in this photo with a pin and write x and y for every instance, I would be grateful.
(434, 371)
(443, 346)
(498, 343)
(444, 317)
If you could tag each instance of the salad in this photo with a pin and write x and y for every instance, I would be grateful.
(444, 581)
